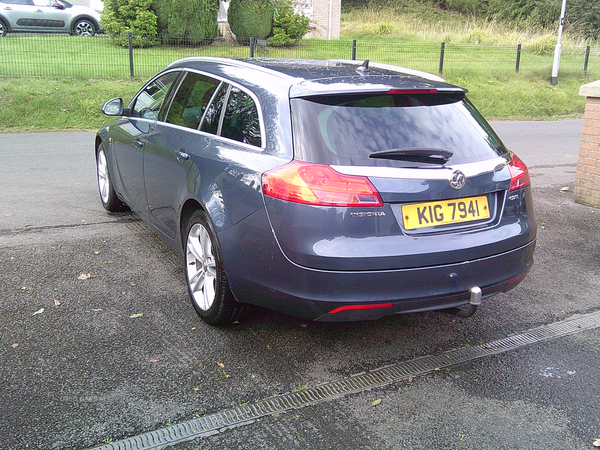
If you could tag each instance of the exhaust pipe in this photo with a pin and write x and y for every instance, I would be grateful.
(474, 302)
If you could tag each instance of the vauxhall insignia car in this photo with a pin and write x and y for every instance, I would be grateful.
(48, 16)
(327, 190)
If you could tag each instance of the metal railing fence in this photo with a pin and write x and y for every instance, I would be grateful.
(64, 56)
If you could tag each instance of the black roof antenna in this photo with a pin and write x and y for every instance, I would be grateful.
(363, 68)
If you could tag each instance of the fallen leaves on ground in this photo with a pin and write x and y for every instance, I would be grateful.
(85, 276)
(39, 311)
(221, 365)
(134, 316)
(56, 302)
(596, 443)
(376, 402)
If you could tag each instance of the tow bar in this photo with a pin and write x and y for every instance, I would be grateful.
(474, 302)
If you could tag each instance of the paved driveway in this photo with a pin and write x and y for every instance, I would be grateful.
(98, 342)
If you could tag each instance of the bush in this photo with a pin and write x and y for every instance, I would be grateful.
(288, 27)
(120, 17)
(464, 6)
(250, 18)
(188, 21)
(543, 13)
(583, 16)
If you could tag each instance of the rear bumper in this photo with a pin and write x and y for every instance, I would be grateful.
(260, 274)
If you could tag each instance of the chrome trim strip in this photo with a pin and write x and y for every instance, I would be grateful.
(425, 173)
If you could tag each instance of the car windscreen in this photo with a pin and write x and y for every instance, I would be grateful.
(352, 129)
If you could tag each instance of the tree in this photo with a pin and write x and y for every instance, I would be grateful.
(119, 17)
(250, 18)
(187, 21)
(288, 27)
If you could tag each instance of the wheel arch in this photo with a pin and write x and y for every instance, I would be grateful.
(97, 144)
(5, 23)
(85, 17)
(189, 207)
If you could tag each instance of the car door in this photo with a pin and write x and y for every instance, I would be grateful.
(170, 152)
(50, 16)
(130, 135)
(19, 13)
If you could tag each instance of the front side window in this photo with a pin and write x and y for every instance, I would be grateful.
(241, 122)
(191, 100)
(150, 99)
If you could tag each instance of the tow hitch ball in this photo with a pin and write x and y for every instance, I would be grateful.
(474, 302)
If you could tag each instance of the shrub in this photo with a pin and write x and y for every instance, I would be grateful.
(288, 27)
(464, 6)
(537, 12)
(583, 16)
(120, 17)
(187, 21)
(250, 18)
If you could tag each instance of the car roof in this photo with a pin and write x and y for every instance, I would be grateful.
(303, 77)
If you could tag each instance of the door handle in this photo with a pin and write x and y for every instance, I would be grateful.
(182, 156)
(138, 144)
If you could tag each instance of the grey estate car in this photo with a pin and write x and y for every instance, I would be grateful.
(48, 16)
(328, 190)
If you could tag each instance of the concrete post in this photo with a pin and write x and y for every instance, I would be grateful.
(587, 179)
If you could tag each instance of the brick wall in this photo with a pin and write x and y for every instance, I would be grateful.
(587, 179)
(321, 10)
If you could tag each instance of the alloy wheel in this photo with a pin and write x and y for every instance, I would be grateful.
(103, 179)
(201, 267)
(84, 28)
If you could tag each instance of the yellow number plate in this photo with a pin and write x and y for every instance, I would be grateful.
(442, 213)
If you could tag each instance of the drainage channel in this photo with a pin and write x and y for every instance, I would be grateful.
(214, 423)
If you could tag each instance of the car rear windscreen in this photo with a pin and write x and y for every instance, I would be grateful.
(349, 129)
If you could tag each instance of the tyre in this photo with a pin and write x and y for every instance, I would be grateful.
(84, 27)
(108, 197)
(3, 28)
(206, 279)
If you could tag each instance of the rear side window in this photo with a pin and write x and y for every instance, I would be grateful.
(346, 129)
(191, 99)
(150, 99)
(241, 122)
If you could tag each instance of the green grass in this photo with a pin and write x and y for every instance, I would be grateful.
(54, 105)
(59, 82)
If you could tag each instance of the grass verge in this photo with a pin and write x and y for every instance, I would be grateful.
(57, 105)
(70, 104)
(54, 105)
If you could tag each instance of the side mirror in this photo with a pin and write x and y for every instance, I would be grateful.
(114, 107)
(58, 5)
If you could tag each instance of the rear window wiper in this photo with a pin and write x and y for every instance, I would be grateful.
(426, 155)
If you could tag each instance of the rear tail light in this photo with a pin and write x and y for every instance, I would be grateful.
(519, 175)
(316, 184)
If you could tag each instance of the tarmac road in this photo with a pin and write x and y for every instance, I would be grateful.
(86, 362)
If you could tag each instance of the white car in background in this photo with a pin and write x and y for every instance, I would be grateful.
(48, 16)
